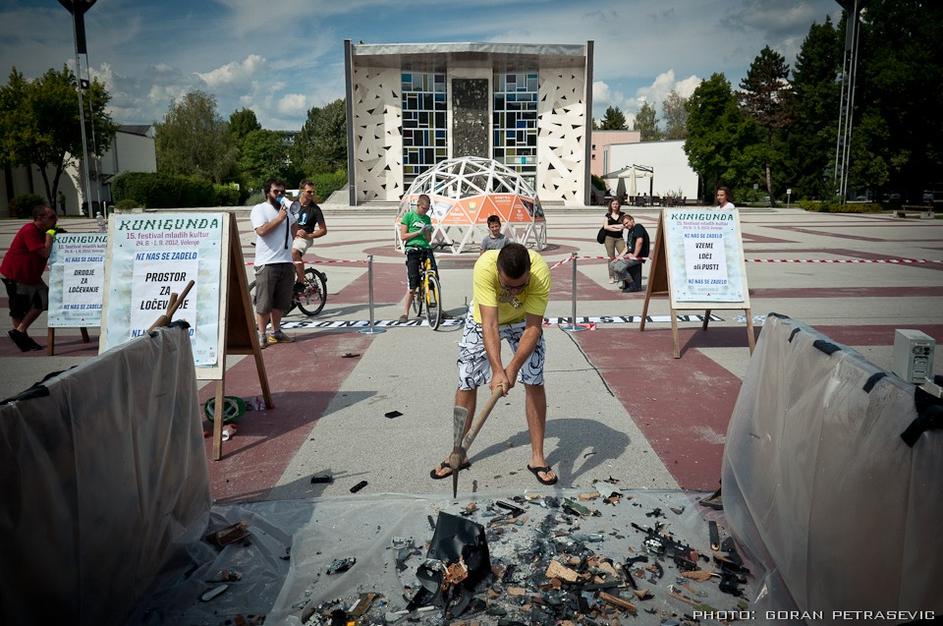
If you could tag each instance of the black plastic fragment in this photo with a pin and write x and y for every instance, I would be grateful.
(323, 479)
(339, 566)
(391, 414)
(358, 486)
(873, 380)
(779, 315)
(795, 331)
(929, 414)
(825, 346)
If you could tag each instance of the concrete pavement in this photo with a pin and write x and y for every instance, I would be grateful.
(618, 403)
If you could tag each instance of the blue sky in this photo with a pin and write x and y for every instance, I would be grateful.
(281, 57)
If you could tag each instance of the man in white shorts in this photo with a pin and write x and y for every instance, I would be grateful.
(312, 226)
(510, 294)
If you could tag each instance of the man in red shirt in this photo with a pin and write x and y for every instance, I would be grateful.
(22, 271)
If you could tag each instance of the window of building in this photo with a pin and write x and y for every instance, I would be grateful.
(514, 125)
(425, 137)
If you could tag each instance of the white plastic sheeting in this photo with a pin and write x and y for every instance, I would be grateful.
(820, 488)
(99, 481)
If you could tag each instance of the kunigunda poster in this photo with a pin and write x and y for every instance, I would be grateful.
(154, 255)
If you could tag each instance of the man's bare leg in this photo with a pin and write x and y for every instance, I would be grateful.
(535, 406)
(261, 320)
(28, 319)
(410, 294)
(299, 265)
(467, 398)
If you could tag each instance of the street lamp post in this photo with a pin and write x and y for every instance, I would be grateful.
(78, 8)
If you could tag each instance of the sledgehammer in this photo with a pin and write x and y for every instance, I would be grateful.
(460, 445)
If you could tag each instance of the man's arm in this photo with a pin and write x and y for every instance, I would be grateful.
(533, 329)
(406, 236)
(268, 227)
(638, 247)
(46, 250)
(492, 339)
(321, 229)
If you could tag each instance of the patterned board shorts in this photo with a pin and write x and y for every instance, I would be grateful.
(474, 370)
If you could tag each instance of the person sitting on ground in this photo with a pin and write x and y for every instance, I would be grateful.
(313, 226)
(629, 268)
(495, 239)
(510, 291)
(22, 270)
(613, 227)
(415, 229)
(724, 198)
(275, 229)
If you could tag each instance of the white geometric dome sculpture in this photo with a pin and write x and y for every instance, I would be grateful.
(464, 192)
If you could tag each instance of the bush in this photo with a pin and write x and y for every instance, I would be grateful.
(22, 205)
(227, 195)
(328, 183)
(127, 204)
(833, 206)
(161, 191)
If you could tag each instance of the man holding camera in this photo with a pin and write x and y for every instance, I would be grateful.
(415, 228)
(275, 229)
(22, 269)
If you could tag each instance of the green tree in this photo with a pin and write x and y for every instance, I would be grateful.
(766, 97)
(614, 119)
(264, 155)
(675, 116)
(194, 140)
(721, 142)
(646, 122)
(40, 125)
(241, 123)
(812, 133)
(898, 99)
(321, 146)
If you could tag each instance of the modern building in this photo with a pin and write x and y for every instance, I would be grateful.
(671, 176)
(131, 150)
(603, 138)
(411, 106)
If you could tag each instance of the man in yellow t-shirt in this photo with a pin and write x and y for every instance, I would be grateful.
(510, 294)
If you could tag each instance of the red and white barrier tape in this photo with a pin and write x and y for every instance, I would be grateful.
(324, 262)
(897, 261)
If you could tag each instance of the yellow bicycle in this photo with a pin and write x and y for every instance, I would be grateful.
(429, 294)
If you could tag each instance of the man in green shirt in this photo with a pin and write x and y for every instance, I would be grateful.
(415, 229)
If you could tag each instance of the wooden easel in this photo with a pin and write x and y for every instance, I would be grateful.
(236, 328)
(51, 339)
(659, 283)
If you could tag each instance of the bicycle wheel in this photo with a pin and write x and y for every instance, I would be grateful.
(314, 297)
(418, 298)
(434, 302)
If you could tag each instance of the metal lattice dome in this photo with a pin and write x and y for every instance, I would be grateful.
(465, 191)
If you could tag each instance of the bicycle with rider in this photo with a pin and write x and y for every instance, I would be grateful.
(312, 226)
(415, 230)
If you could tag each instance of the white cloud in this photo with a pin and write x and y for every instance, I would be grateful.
(292, 104)
(233, 72)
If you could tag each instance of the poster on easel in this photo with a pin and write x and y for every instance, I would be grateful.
(76, 280)
(152, 256)
(698, 262)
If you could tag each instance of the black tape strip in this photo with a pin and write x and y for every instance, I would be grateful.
(795, 331)
(825, 346)
(873, 380)
(929, 419)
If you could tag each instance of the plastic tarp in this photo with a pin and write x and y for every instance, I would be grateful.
(102, 478)
(819, 487)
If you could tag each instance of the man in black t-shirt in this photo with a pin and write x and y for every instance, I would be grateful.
(629, 268)
(311, 221)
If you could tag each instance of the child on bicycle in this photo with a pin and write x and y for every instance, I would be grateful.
(415, 229)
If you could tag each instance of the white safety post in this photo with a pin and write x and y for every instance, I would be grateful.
(573, 327)
(371, 329)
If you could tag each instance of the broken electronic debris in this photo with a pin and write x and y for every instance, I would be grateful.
(554, 577)
(339, 566)
(358, 486)
(322, 479)
(392, 414)
(230, 534)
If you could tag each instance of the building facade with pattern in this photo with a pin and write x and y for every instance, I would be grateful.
(411, 106)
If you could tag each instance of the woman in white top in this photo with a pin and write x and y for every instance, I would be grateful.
(724, 198)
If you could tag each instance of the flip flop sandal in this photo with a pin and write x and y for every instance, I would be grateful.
(445, 465)
(536, 471)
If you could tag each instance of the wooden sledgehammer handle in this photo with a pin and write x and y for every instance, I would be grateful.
(172, 306)
(485, 412)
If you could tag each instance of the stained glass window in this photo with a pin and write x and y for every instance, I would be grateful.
(514, 125)
(424, 122)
